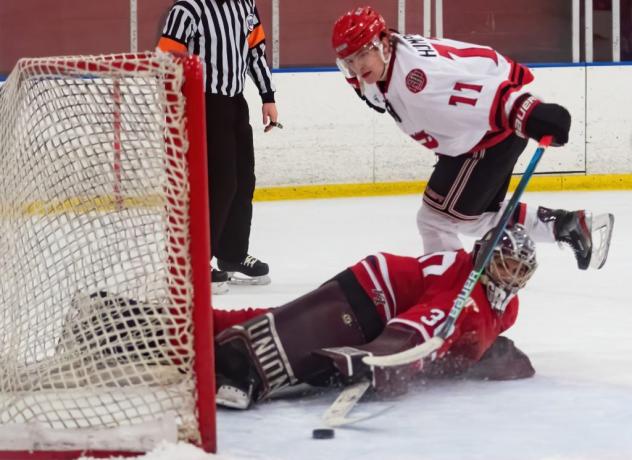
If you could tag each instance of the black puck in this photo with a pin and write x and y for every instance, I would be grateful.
(323, 433)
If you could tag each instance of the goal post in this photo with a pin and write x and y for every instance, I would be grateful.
(106, 336)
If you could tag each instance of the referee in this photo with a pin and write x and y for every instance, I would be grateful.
(229, 38)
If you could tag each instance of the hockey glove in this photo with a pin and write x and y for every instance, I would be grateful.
(535, 119)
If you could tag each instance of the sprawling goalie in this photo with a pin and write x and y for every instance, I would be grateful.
(382, 305)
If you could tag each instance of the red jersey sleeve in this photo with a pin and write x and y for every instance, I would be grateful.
(393, 283)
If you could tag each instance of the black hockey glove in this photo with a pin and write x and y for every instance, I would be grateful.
(535, 119)
(549, 119)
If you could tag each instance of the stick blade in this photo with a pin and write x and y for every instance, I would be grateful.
(344, 403)
(345, 421)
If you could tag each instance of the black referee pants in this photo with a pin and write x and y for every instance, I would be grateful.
(231, 173)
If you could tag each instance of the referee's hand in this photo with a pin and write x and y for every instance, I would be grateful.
(270, 115)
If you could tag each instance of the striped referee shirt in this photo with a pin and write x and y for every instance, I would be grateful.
(229, 38)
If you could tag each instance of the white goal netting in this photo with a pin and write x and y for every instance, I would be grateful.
(96, 285)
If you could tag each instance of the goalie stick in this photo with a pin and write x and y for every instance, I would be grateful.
(336, 414)
(435, 343)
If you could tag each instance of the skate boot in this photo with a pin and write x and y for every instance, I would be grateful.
(588, 237)
(250, 271)
(237, 382)
(219, 281)
(574, 229)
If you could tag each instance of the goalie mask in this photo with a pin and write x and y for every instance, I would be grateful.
(510, 267)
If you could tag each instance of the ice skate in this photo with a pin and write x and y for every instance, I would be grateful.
(232, 394)
(588, 236)
(250, 271)
(219, 282)
(236, 378)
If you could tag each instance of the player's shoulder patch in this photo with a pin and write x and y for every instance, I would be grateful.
(416, 80)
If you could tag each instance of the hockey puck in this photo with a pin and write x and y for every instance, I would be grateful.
(323, 433)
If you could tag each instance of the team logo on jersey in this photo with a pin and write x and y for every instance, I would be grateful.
(379, 299)
(416, 80)
(250, 21)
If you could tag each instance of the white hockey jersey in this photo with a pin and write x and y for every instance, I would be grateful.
(452, 97)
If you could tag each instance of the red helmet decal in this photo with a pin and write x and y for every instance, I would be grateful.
(355, 29)
(416, 80)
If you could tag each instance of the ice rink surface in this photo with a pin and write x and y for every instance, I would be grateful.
(576, 326)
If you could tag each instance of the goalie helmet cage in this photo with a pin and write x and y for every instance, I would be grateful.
(105, 318)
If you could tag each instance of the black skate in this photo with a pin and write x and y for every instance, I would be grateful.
(232, 394)
(249, 271)
(219, 281)
(236, 380)
(588, 237)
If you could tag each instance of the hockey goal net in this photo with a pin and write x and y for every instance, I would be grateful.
(105, 319)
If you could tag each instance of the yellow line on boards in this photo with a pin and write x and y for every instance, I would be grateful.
(107, 203)
(536, 184)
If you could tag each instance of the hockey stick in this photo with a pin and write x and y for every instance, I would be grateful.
(336, 414)
(433, 344)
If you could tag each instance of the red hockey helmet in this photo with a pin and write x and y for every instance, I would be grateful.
(356, 29)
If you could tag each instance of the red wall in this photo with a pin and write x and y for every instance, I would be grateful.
(527, 30)
(32, 28)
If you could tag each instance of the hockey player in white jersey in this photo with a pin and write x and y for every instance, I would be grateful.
(468, 104)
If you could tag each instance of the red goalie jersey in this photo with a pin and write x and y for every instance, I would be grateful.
(419, 293)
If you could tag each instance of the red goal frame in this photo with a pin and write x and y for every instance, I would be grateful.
(193, 91)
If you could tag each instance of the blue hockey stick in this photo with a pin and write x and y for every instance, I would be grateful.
(433, 344)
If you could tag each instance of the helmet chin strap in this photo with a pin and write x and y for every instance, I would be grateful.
(385, 60)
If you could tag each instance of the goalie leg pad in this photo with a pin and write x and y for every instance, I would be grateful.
(279, 344)
(250, 362)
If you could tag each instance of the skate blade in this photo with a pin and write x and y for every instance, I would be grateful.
(243, 280)
(602, 226)
(219, 288)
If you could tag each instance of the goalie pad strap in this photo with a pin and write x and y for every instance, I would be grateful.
(361, 304)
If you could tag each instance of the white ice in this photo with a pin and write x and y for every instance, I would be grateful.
(575, 325)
